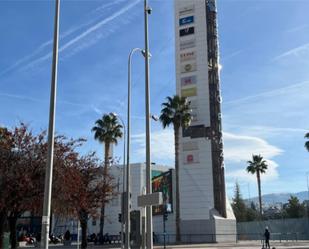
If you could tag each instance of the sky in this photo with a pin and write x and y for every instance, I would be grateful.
(264, 53)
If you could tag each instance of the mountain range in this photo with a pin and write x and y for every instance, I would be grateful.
(271, 199)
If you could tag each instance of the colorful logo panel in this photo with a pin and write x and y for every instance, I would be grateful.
(187, 81)
(186, 20)
(189, 92)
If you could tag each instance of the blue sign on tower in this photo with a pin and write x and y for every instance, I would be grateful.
(186, 20)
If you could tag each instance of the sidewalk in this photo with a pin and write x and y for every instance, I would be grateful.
(240, 244)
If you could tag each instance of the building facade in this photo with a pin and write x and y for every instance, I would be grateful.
(202, 183)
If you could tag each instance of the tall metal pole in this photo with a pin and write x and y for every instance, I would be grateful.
(123, 180)
(149, 244)
(128, 187)
(51, 129)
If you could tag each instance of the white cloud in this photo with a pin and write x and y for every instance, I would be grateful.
(286, 90)
(241, 175)
(162, 145)
(238, 149)
(298, 51)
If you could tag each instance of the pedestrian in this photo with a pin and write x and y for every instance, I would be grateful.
(267, 237)
(67, 238)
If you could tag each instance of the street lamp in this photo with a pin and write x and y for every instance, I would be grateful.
(127, 223)
(123, 171)
(149, 243)
(51, 131)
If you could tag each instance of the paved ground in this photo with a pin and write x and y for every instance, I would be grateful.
(241, 244)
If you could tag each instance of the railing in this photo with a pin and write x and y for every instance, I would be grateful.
(213, 238)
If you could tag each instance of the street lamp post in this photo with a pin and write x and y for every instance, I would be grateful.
(149, 243)
(123, 173)
(51, 130)
(128, 190)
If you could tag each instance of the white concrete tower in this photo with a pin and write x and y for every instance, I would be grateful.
(204, 208)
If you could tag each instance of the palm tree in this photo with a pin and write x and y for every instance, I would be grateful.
(107, 130)
(176, 111)
(307, 143)
(257, 166)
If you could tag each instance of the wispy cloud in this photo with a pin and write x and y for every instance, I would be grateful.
(29, 61)
(231, 55)
(298, 51)
(85, 34)
(298, 28)
(65, 102)
(266, 131)
(271, 93)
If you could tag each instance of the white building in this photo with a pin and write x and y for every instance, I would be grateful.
(138, 184)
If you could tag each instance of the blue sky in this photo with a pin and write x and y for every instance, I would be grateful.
(264, 48)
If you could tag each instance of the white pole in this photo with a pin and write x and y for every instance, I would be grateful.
(149, 242)
(51, 129)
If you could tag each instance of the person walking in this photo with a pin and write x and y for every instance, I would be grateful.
(267, 237)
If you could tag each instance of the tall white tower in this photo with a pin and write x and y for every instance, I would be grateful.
(204, 208)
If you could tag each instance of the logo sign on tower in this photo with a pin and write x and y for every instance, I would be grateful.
(186, 31)
(186, 20)
(187, 44)
(189, 67)
(187, 56)
(190, 80)
(186, 10)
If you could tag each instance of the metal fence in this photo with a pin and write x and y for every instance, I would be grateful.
(280, 229)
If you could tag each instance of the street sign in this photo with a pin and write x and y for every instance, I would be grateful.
(150, 199)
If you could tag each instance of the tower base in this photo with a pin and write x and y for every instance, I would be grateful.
(216, 229)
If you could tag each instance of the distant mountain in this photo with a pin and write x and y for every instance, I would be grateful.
(270, 199)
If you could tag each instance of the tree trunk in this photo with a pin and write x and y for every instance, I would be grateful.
(176, 137)
(105, 172)
(83, 223)
(2, 223)
(12, 225)
(259, 189)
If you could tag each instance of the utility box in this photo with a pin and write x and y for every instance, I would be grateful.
(136, 228)
(6, 241)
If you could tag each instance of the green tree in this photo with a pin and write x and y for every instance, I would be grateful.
(294, 208)
(176, 111)
(107, 130)
(307, 142)
(257, 166)
(238, 205)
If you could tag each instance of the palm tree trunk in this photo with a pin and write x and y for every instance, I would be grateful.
(258, 176)
(105, 171)
(176, 137)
